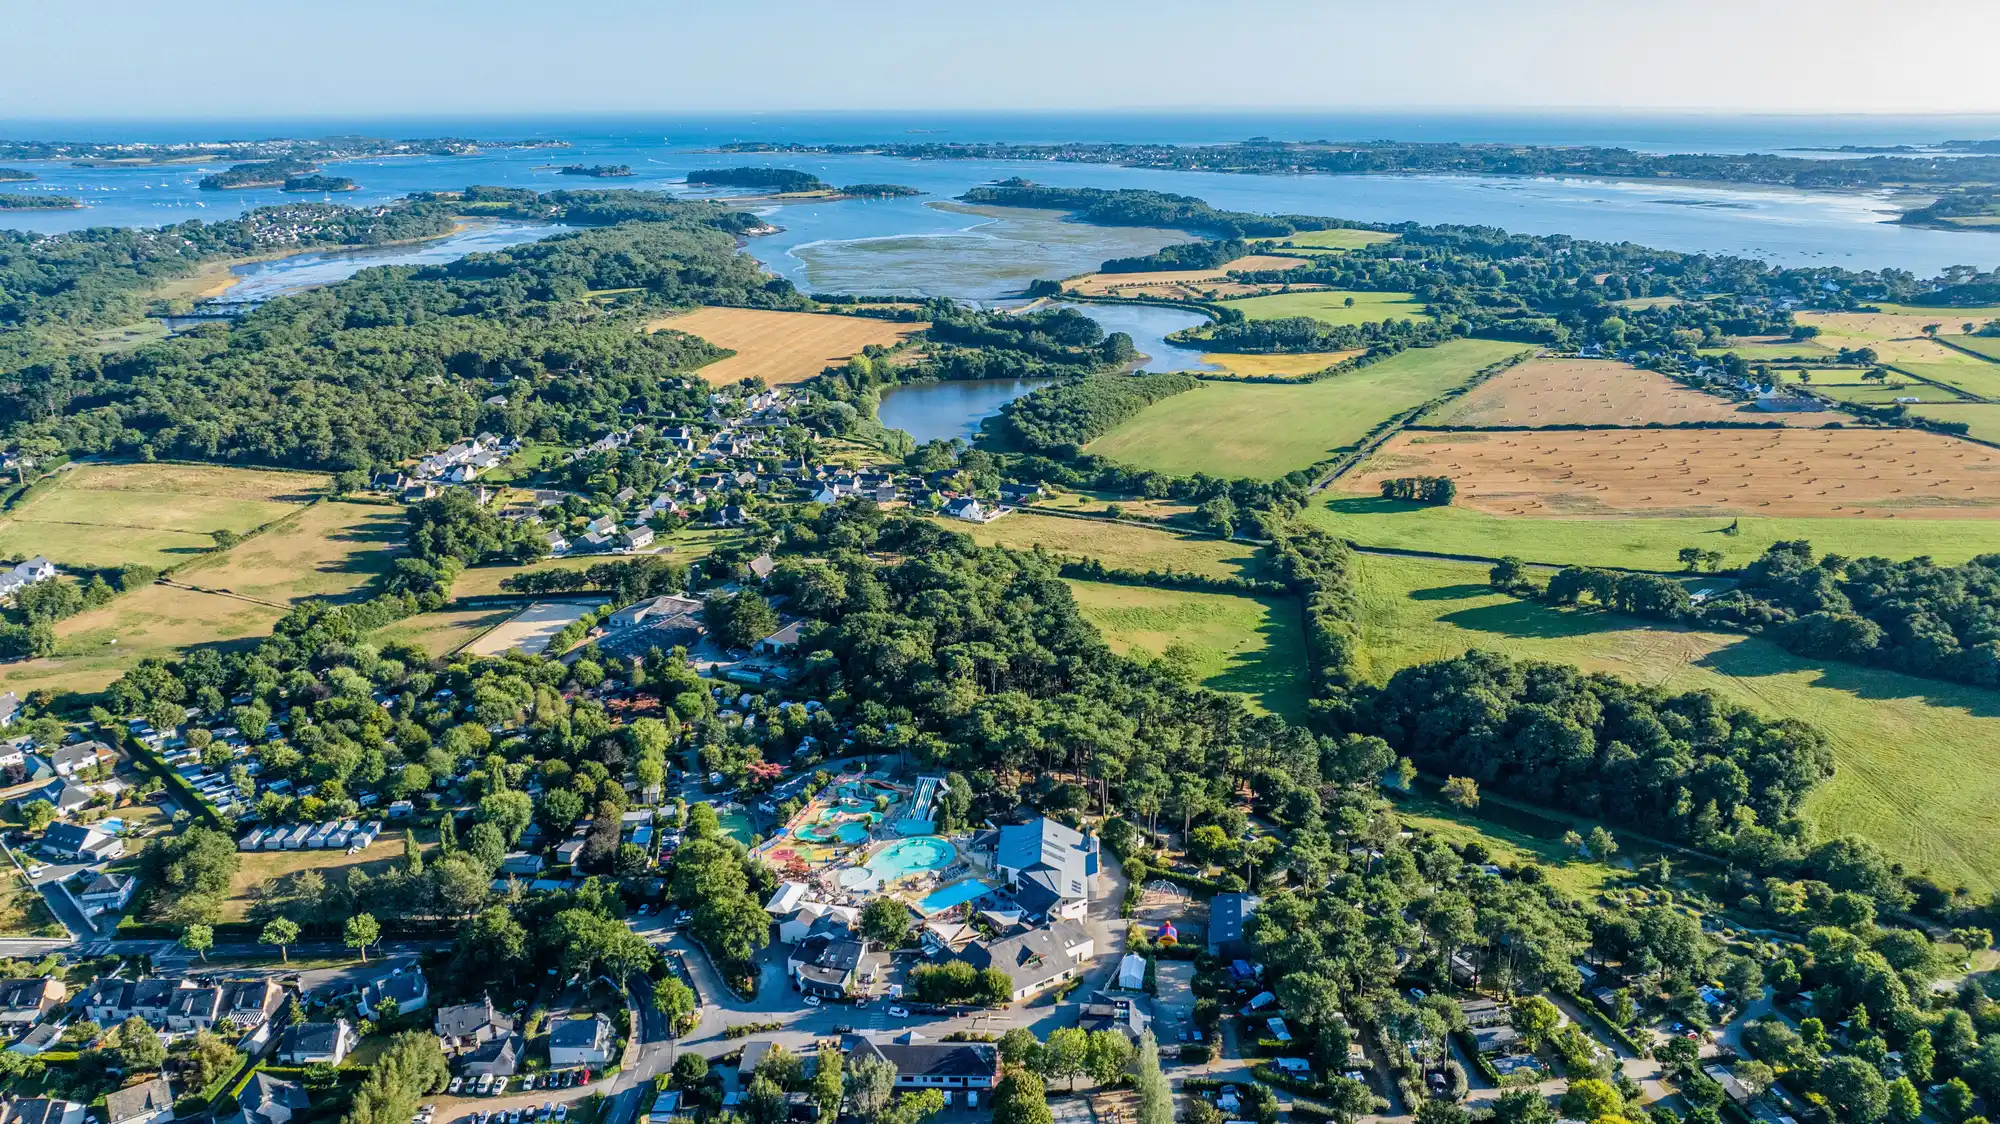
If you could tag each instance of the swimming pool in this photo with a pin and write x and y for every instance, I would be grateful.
(957, 893)
(911, 856)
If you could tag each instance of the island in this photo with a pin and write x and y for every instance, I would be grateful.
(320, 183)
(89, 153)
(1262, 155)
(260, 173)
(15, 175)
(40, 203)
(790, 181)
(599, 171)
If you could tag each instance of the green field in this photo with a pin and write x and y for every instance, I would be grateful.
(1637, 543)
(1989, 346)
(444, 631)
(1335, 239)
(1770, 351)
(1845, 384)
(1266, 430)
(1981, 418)
(1917, 761)
(1250, 646)
(1974, 376)
(1120, 545)
(1331, 306)
(110, 515)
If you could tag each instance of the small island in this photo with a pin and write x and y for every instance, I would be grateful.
(258, 173)
(40, 203)
(599, 171)
(320, 183)
(15, 175)
(790, 181)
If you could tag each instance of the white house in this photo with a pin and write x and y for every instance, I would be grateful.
(311, 1043)
(580, 1042)
(143, 1103)
(19, 577)
(408, 989)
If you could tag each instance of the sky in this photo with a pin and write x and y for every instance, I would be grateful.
(272, 58)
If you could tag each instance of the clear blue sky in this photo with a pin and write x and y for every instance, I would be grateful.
(160, 58)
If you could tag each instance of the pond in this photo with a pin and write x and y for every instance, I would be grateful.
(932, 411)
(1149, 325)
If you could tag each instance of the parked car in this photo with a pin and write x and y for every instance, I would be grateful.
(812, 1000)
(485, 1084)
(899, 1012)
(457, 1083)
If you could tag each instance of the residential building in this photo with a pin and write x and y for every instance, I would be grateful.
(663, 606)
(638, 538)
(83, 842)
(25, 1001)
(1035, 960)
(782, 641)
(312, 1043)
(42, 1111)
(834, 965)
(1228, 918)
(111, 1000)
(251, 1003)
(970, 510)
(143, 1103)
(581, 1042)
(14, 579)
(194, 1007)
(500, 1057)
(69, 760)
(467, 1026)
(67, 799)
(10, 709)
(108, 892)
(267, 1100)
(811, 917)
(408, 989)
(1052, 869)
(963, 1071)
(40, 1039)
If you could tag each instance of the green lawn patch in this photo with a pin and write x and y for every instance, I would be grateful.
(1123, 546)
(1266, 430)
(1335, 239)
(1333, 306)
(1982, 419)
(1917, 761)
(1636, 542)
(1251, 646)
(1989, 346)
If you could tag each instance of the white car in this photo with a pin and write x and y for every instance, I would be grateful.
(812, 1000)
(457, 1083)
(899, 1012)
(485, 1085)
(562, 1112)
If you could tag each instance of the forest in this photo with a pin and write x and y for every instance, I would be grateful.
(1190, 255)
(1137, 207)
(14, 201)
(1059, 420)
(776, 179)
(15, 175)
(599, 171)
(399, 359)
(319, 183)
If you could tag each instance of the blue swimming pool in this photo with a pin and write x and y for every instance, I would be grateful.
(957, 893)
(911, 856)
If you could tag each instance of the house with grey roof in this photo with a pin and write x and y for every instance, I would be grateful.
(962, 1071)
(68, 760)
(25, 1001)
(81, 841)
(42, 1111)
(835, 964)
(467, 1026)
(313, 1043)
(143, 1103)
(1050, 868)
(10, 709)
(267, 1100)
(580, 1042)
(67, 799)
(1035, 960)
(408, 989)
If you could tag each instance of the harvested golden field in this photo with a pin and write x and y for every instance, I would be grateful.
(219, 481)
(1903, 323)
(1549, 392)
(782, 347)
(156, 514)
(1840, 473)
(1267, 366)
(331, 549)
(1182, 283)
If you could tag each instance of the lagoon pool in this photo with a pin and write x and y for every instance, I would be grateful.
(911, 856)
(957, 893)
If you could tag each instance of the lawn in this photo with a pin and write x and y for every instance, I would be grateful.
(444, 631)
(95, 647)
(1982, 418)
(1643, 543)
(1266, 430)
(1333, 306)
(683, 545)
(1989, 346)
(1845, 384)
(1917, 761)
(160, 515)
(1120, 545)
(259, 867)
(1512, 839)
(1251, 646)
(1335, 239)
(331, 549)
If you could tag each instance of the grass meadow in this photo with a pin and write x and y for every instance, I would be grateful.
(1917, 761)
(1335, 239)
(1641, 543)
(1251, 646)
(159, 515)
(1120, 545)
(1266, 430)
(1331, 306)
